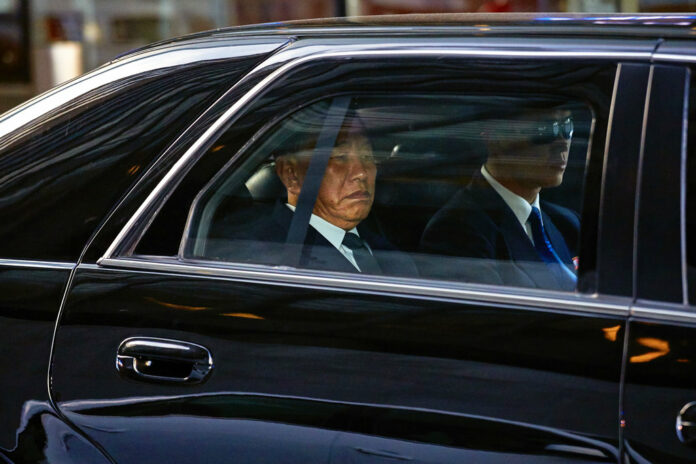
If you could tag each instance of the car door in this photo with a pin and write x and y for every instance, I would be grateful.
(168, 351)
(67, 157)
(659, 391)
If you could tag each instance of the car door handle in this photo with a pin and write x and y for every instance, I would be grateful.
(163, 360)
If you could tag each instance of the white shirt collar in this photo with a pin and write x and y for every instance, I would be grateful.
(519, 206)
(330, 232)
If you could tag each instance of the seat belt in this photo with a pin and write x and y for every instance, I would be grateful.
(315, 174)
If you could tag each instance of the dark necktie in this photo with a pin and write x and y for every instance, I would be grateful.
(366, 262)
(542, 244)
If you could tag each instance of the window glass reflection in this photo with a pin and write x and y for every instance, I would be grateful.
(470, 189)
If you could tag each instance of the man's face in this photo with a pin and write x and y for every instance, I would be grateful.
(535, 161)
(348, 189)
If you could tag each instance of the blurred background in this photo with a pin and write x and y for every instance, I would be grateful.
(45, 42)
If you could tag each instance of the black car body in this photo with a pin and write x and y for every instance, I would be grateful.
(120, 341)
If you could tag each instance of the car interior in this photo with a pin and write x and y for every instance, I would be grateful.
(424, 155)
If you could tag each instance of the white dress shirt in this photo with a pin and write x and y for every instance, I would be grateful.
(334, 235)
(519, 206)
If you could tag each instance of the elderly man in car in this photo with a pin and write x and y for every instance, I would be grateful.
(337, 237)
(498, 223)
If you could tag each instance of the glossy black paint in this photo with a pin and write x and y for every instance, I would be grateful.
(659, 225)
(349, 350)
(660, 380)
(659, 374)
(43, 436)
(348, 431)
(29, 303)
(57, 190)
(341, 375)
(444, 366)
(617, 216)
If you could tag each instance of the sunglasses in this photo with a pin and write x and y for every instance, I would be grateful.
(547, 131)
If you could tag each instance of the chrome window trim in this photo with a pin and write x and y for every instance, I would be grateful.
(683, 188)
(674, 57)
(664, 313)
(534, 298)
(36, 264)
(388, 50)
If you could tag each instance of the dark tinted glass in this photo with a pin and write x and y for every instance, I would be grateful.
(60, 176)
(419, 121)
(405, 175)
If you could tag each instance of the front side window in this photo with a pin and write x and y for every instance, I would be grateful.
(61, 173)
(482, 188)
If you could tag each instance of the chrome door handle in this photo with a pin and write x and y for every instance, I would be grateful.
(163, 360)
(686, 424)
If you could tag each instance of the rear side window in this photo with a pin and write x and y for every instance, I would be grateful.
(60, 175)
(466, 188)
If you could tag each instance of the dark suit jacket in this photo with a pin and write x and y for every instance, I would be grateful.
(263, 242)
(477, 223)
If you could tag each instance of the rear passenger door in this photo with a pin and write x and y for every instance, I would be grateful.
(658, 403)
(230, 342)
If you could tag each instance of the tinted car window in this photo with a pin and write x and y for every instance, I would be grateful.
(431, 186)
(59, 178)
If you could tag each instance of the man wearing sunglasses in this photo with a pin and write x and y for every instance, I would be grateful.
(498, 222)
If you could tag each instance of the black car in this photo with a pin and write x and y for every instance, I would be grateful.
(438, 239)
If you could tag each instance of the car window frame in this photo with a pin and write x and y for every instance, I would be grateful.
(668, 55)
(114, 256)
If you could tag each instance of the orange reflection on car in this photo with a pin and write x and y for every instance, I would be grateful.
(661, 348)
(610, 333)
(176, 306)
(243, 315)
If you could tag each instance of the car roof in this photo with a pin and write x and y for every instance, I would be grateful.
(466, 24)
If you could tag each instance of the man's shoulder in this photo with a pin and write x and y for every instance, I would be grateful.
(392, 260)
(265, 225)
(473, 204)
(468, 225)
(561, 213)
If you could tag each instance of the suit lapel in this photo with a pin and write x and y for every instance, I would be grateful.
(518, 244)
(522, 253)
(389, 260)
(319, 253)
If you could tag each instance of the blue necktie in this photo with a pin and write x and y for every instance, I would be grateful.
(543, 246)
